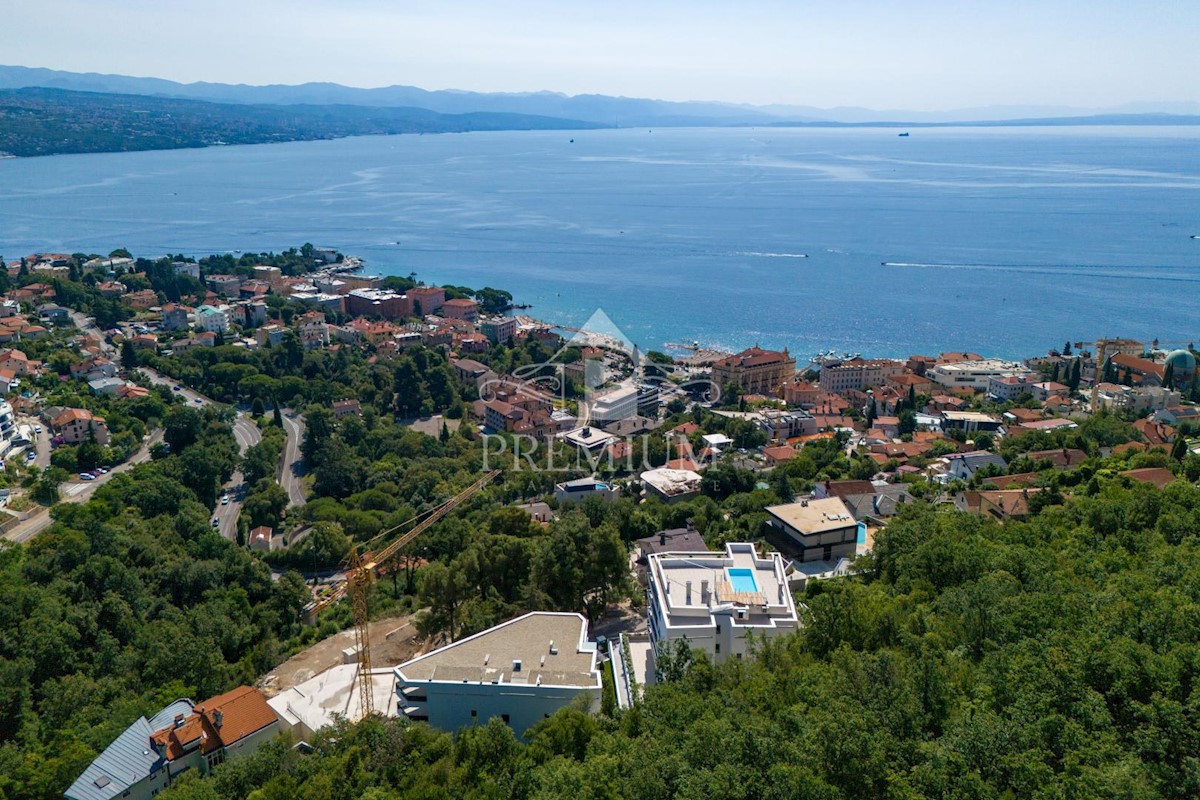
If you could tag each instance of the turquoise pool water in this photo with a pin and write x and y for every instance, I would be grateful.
(862, 533)
(742, 580)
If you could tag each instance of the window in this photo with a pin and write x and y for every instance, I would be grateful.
(505, 718)
(718, 628)
(474, 713)
(718, 647)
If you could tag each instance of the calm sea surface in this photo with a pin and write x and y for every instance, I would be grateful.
(1004, 241)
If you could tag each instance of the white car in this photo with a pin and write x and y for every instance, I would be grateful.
(225, 500)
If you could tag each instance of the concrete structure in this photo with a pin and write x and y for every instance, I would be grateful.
(857, 374)
(755, 371)
(824, 530)
(307, 708)
(227, 285)
(1006, 388)
(498, 330)
(521, 671)
(963, 466)
(714, 600)
(616, 405)
(969, 421)
(975, 375)
(378, 303)
(430, 298)
(589, 438)
(212, 319)
(151, 754)
(461, 308)
(174, 317)
(577, 491)
(672, 485)
(76, 425)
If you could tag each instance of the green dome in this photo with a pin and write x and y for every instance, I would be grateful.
(1183, 361)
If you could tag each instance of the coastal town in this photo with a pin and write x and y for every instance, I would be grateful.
(742, 481)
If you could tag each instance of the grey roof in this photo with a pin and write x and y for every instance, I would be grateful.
(683, 540)
(165, 717)
(123, 763)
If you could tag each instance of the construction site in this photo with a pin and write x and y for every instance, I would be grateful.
(350, 675)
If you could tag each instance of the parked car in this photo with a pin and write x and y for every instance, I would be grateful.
(225, 500)
(197, 400)
(102, 470)
(216, 523)
(86, 476)
(177, 388)
(31, 455)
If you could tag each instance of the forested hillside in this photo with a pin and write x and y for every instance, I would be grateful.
(1048, 659)
(39, 122)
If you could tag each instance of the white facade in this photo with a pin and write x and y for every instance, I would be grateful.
(975, 375)
(212, 319)
(615, 405)
(521, 671)
(717, 600)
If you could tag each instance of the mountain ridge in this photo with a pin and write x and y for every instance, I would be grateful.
(608, 110)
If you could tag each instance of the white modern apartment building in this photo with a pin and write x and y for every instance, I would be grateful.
(715, 600)
(521, 671)
(975, 375)
(615, 405)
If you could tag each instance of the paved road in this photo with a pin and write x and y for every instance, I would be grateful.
(292, 469)
(247, 435)
(41, 443)
(76, 491)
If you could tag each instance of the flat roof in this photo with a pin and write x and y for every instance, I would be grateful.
(708, 575)
(552, 649)
(814, 516)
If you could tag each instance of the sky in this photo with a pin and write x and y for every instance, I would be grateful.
(918, 55)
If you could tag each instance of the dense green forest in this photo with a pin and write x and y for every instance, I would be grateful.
(40, 122)
(1053, 658)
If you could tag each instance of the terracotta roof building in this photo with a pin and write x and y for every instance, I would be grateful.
(756, 371)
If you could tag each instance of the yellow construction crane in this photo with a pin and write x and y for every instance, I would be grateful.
(362, 573)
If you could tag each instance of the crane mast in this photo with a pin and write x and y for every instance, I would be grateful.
(362, 574)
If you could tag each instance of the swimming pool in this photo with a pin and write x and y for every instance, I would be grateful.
(742, 580)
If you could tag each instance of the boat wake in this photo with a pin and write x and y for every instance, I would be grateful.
(756, 254)
(1107, 271)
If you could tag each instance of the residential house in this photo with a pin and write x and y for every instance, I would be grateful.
(77, 425)
(577, 491)
(1046, 389)
(347, 408)
(1006, 388)
(1059, 458)
(521, 671)
(672, 485)
(1158, 476)
(142, 299)
(18, 362)
(822, 530)
(718, 602)
(461, 308)
(498, 330)
(427, 299)
(963, 466)
(1001, 504)
(175, 317)
(970, 421)
(151, 754)
(227, 285)
(674, 540)
(260, 539)
(212, 319)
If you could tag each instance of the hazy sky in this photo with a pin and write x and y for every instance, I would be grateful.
(913, 54)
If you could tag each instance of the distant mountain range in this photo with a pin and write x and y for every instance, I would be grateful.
(44, 111)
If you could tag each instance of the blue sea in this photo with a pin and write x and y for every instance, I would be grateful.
(1006, 241)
